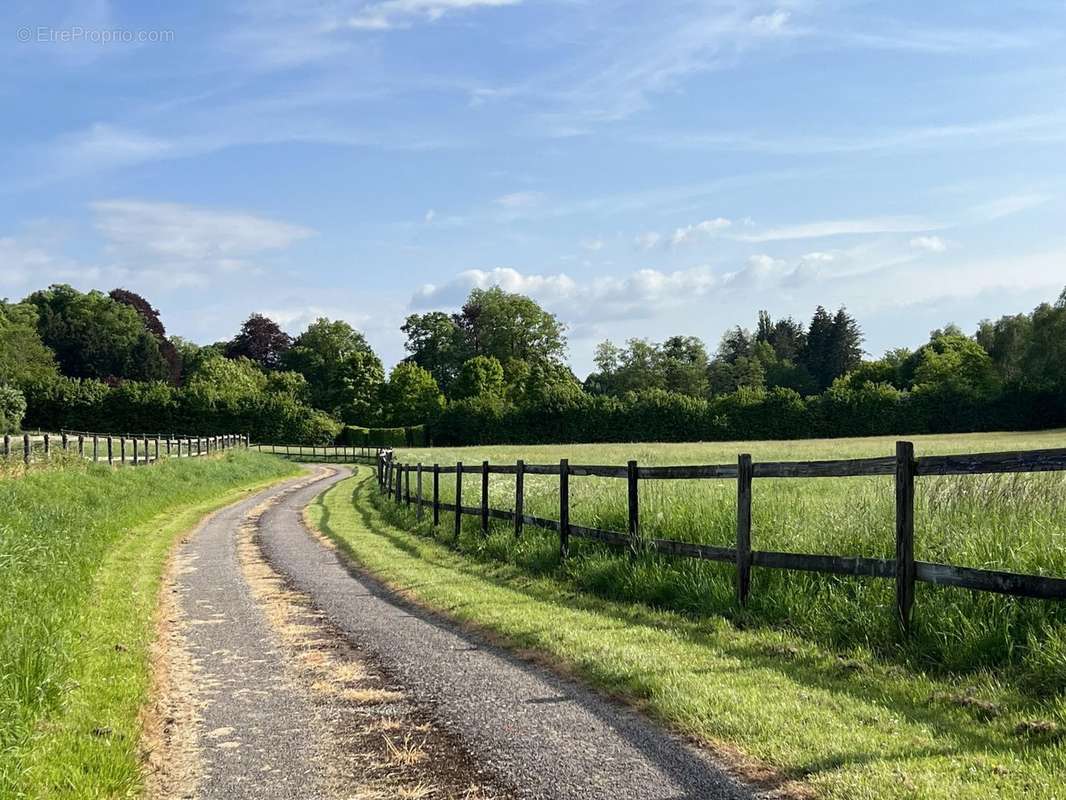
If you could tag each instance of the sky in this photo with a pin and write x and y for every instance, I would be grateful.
(642, 169)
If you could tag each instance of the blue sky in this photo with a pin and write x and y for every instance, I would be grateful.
(642, 169)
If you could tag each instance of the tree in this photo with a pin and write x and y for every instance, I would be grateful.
(504, 325)
(833, 346)
(684, 364)
(786, 336)
(262, 340)
(481, 376)
(23, 356)
(845, 344)
(94, 336)
(736, 343)
(1006, 340)
(411, 397)
(1044, 363)
(436, 344)
(342, 370)
(746, 372)
(956, 364)
(154, 324)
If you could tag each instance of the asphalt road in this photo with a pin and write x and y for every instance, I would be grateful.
(541, 735)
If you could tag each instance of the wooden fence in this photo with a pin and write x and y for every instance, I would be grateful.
(395, 481)
(325, 453)
(127, 449)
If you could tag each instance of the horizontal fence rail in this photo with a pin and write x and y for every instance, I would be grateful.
(394, 481)
(331, 454)
(129, 449)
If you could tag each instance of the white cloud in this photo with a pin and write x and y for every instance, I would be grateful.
(690, 233)
(771, 23)
(430, 215)
(648, 240)
(189, 233)
(931, 244)
(516, 200)
(178, 245)
(592, 245)
(391, 14)
(843, 227)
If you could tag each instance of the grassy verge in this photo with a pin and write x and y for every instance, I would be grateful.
(81, 555)
(847, 725)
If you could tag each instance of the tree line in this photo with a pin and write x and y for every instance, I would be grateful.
(496, 371)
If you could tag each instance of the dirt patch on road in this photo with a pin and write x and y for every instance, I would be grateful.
(383, 743)
(169, 745)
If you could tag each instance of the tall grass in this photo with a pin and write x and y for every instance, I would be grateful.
(56, 527)
(1009, 522)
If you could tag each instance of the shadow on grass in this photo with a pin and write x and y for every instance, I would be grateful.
(967, 736)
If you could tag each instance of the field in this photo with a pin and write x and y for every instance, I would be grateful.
(1012, 522)
(81, 552)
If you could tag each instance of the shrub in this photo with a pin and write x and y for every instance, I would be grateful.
(12, 409)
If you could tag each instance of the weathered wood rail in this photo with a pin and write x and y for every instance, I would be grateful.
(905, 467)
(330, 454)
(129, 449)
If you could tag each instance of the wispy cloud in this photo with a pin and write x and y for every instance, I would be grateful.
(404, 13)
(842, 227)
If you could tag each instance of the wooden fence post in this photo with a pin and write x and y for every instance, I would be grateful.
(110, 451)
(26, 448)
(436, 495)
(519, 495)
(399, 481)
(905, 467)
(156, 448)
(634, 507)
(484, 498)
(47, 446)
(7, 446)
(407, 485)
(458, 498)
(122, 450)
(418, 493)
(134, 440)
(96, 447)
(63, 441)
(564, 508)
(744, 481)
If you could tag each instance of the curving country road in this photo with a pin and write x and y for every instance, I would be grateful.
(305, 678)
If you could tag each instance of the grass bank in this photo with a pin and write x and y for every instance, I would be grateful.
(845, 723)
(81, 555)
(1015, 523)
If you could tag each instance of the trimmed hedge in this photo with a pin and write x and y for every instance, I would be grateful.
(870, 410)
(357, 436)
(138, 407)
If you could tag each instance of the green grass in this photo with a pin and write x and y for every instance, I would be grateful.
(852, 727)
(1013, 522)
(81, 555)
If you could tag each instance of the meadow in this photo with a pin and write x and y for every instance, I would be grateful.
(1009, 522)
(82, 548)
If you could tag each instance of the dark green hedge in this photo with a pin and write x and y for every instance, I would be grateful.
(356, 436)
(778, 414)
(137, 407)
